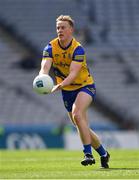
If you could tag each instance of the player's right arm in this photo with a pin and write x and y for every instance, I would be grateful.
(45, 66)
(46, 60)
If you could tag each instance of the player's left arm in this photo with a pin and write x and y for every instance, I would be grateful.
(75, 68)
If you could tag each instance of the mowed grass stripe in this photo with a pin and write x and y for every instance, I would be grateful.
(62, 164)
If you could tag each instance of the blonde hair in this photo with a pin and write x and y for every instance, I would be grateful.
(66, 18)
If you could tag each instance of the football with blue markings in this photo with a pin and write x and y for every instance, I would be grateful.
(43, 84)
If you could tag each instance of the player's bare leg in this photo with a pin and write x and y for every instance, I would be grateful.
(96, 144)
(95, 141)
(78, 116)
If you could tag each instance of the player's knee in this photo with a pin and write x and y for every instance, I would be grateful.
(77, 116)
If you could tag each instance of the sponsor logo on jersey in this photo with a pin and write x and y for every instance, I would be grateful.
(79, 57)
(45, 54)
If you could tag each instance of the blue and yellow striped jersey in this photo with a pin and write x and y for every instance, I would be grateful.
(62, 58)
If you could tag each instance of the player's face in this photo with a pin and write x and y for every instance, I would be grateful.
(64, 30)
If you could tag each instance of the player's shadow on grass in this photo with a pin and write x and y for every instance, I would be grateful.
(117, 169)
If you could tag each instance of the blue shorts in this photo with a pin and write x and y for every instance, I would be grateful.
(70, 96)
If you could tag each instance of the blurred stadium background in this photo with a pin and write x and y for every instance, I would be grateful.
(109, 31)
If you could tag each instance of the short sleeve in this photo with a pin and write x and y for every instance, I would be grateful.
(79, 54)
(47, 52)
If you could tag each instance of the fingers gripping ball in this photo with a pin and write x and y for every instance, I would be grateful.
(43, 84)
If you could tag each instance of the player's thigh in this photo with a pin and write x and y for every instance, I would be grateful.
(82, 102)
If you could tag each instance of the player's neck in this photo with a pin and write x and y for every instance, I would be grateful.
(65, 43)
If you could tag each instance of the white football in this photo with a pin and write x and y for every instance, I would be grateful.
(43, 84)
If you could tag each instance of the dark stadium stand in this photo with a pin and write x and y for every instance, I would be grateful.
(114, 51)
(116, 65)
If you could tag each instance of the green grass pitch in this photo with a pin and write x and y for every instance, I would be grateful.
(63, 164)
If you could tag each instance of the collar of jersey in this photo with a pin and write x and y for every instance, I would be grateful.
(65, 47)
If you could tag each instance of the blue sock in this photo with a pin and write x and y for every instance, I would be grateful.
(101, 151)
(87, 149)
